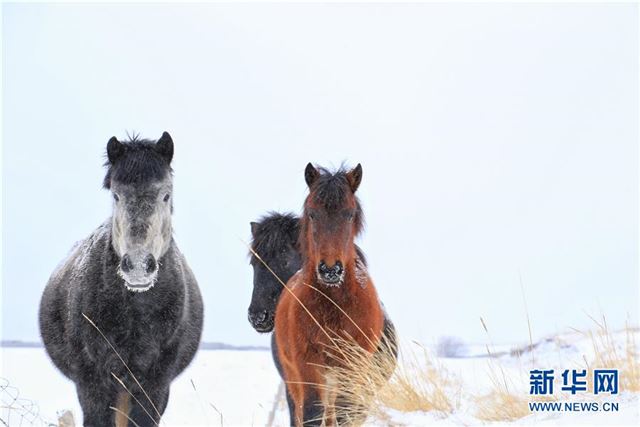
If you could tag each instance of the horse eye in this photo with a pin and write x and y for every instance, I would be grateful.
(116, 197)
(311, 216)
(166, 197)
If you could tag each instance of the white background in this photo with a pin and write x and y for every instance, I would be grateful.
(496, 140)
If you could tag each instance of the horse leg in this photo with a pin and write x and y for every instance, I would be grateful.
(329, 401)
(312, 388)
(295, 395)
(313, 396)
(312, 408)
(276, 361)
(95, 403)
(292, 407)
(349, 414)
(143, 413)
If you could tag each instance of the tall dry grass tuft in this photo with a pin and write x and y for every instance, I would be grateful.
(506, 404)
(506, 399)
(501, 405)
(502, 402)
(609, 355)
(367, 386)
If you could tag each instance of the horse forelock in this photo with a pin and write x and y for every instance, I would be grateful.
(140, 163)
(275, 232)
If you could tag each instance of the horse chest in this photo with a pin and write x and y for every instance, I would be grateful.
(331, 319)
(135, 325)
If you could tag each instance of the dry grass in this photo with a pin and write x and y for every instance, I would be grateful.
(369, 385)
(504, 401)
(501, 405)
(420, 383)
(608, 355)
(507, 402)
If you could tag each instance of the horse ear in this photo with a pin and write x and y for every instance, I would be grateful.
(254, 228)
(310, 174)
(164, 146)
(115, 149)
(355, 177)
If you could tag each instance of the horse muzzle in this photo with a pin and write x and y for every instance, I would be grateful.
(139, 272)
(331, 276)
(261, 320)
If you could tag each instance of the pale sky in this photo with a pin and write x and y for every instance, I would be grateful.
(497, 141)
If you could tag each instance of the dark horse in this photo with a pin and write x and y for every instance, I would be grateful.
(275, 239)
(332, 218)
(131, 280)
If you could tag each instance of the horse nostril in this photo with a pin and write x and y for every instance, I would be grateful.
(337, 269)
(125, 264)
(258, 317)
(150, 264)
(325, 269)
(322, 267)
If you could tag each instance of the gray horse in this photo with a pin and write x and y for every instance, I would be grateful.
(129, 278)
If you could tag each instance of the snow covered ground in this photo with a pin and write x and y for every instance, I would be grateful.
(566, 351)
(242, 388)
(241, 385)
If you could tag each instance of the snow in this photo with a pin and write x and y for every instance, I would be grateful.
(228, 387)
(241, 385)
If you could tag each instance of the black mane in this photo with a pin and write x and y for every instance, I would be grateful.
(139, 163)
(272, 233)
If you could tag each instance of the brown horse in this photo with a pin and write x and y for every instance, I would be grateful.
(306, 319)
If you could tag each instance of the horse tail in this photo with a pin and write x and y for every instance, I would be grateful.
(122, 406)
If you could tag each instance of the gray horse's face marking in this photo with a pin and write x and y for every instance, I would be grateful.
(139, 177)
(141, 230)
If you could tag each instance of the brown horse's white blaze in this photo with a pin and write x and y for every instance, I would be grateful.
(332, 219)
